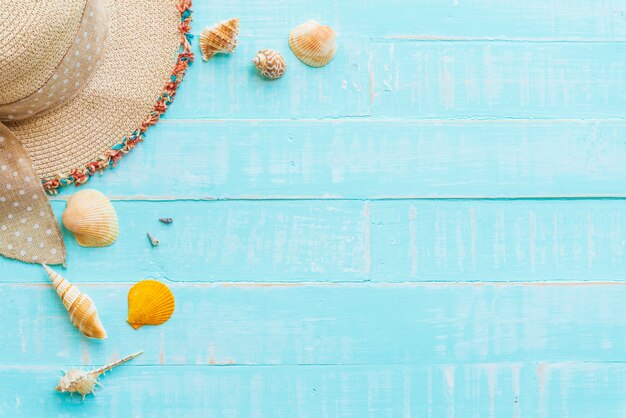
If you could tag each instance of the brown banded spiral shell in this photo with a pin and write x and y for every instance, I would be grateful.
(270, 63)
(82, 310)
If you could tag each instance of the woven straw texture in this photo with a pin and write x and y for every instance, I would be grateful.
(139, 53)
(34, 36)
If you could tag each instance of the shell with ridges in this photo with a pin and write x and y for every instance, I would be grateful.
(92, 218)
(83, 382)
(270, 63)
(150, 302)
(82, 310)
(312, 43)
(219, 38)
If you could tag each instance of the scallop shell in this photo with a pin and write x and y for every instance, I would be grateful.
(313, 44)
(83, 382)
(82, 310)
(270, 63)
(220, 38)
(92, 218)
(149, 303)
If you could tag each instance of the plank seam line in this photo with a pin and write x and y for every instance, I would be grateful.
(155, 199)
(549, 363)
(368, 119)
(490, 39)
(425, 38)
(339, 284)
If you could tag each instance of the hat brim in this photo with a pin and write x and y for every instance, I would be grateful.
(145, 57)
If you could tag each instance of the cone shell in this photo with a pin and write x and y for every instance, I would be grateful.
(82, 310)
(220, 38)
(270, 63)
(313, 44)
(92, 218)
(149, 303)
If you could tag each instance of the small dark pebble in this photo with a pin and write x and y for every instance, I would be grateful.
(166, 220)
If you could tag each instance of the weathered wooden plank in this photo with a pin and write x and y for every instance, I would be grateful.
(471, 240)
(244, 240)
(231, 87)
(363, 159)
(528, 19)
(332, 324)
(539, 390)
(353, 240)
(415, 80)
(501, 80)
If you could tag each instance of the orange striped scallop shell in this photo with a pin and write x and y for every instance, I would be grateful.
(313, 44)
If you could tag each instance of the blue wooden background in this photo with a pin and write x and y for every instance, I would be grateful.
(433, 225)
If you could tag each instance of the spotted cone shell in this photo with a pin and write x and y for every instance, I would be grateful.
(312, 43)
(82, 310)
(270, 63)
(92, 218)
(220, 38)
(150, 302)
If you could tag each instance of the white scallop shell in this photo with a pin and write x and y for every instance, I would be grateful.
(313, 43)
(92, 218)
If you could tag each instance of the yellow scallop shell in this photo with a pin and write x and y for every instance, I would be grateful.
(149, 303)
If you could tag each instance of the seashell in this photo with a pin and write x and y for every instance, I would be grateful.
(92, 218)
(220, 38)
(166, 220)
(153, 240)
(82, 310)
(270, 63)
(149, 303)
(313, 43)
(84, 382)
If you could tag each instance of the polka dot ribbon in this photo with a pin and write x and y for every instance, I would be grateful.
(28, 228)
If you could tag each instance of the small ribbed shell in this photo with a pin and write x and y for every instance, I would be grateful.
(149, 303)
(312, 43)
(220, 38)
(270, 63)
(82, 310)
(92, 218)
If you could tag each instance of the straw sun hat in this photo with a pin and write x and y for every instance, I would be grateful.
(80, 82)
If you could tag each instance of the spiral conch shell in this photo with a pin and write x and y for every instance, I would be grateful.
(83, 382)
(92, 218)
(220, 38)
(313, 44)
(149, 303)
(81, 308)
(270, 63)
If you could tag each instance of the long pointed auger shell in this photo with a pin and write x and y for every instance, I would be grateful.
(313, 44)
(149, 303)
(92, 218)
(219, 38)
(83, 382)
(82, 310)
